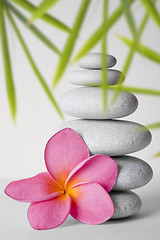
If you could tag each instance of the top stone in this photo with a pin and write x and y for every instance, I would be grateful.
(94, 61)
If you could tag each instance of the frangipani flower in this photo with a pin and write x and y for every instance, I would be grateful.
(75, 184)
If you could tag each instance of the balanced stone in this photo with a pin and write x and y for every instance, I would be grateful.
(132, 173)
(94, 61)
(86, 102)
(125, 203)
(110, 137)
(94, 77)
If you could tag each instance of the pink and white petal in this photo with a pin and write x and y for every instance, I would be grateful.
(49, 214)
(99, 168)
(63, 152)
(38, 188)
(90, 203)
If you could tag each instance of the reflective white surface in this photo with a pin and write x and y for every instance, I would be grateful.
(144, 225)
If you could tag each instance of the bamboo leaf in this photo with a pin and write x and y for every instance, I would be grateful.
(71, 42)
(97, 35)
(104, 54)
(130, 55)
(142, 49)
(33, 29)
(153, 125)
(125, 69)
(150, 7)
(42, 8)
(45, 17)
(145, 91)
(7, 65)
(33, 65)
(129, 16)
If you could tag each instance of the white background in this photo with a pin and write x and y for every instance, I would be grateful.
(22, 144)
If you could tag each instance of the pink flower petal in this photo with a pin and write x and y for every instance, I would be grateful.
(90, 204)
(63, 152)
(38, 188)
(99, 168)
(49, 214)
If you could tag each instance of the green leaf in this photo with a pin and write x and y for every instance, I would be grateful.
(142, 49)
(42, 8)
(130, 55)
(153, 125)
(150, 7)
(7, 65)
(104, 54)
(33, 65)
(145, 91)
(33, 29)
(71, 42)
(157, 154)
(45, 17)
(129, 16)
(97, 35)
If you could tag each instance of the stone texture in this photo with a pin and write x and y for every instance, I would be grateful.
(86, 102)
(126, 204)
(93, 61)
(93, 77)
(110, 137)
(132, 173)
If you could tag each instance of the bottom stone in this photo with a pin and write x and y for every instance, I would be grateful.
(126, 203)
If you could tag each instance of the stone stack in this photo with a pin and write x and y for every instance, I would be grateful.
(105, 135)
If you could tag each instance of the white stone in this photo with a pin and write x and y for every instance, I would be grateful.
(86, 102)
(93, 61)
(125, 203)
(132, 173)
(94, 77)
(110, 137)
